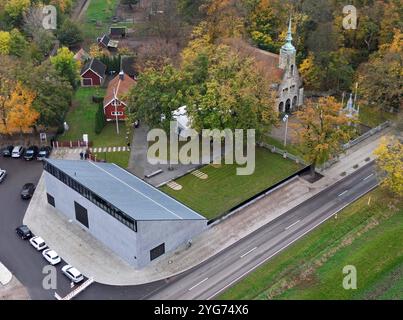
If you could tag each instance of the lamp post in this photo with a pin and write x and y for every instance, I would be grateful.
(285, 119)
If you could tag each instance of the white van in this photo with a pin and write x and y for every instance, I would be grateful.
(17, 152)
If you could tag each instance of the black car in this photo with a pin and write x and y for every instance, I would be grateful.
(7, 151)
(31, 153)
(44, 152)
(27, 191)
(24, 232)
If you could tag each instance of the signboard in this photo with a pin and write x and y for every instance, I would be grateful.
(42, 136)
(85, 138)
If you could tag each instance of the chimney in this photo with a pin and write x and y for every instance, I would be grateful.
(121, 75)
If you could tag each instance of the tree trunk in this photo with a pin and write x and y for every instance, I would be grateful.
(312, 170)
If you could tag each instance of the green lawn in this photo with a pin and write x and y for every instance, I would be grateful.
(224, 189)
(369, 237)
(119, 158)
(280, 144)
(100, 11)
(81, 120)
(373, 117)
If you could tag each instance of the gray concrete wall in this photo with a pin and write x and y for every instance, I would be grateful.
(173, 233)
(134, 247)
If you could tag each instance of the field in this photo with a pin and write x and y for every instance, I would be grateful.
(98, 18)
(81, 120)
(373, 117)
(368, 237)
(223, 189)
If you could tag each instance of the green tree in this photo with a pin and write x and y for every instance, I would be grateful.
(15, 9)
(53, 93)
(66, 65)
(69, 34)
(99, 119)
(18, 44)
(156, 95)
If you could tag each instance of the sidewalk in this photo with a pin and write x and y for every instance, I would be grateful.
(10, 287)
(80, 249)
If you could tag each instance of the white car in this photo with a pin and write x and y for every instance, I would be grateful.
(38, 243)
(17, 152)
(72, 273)
(51, 256)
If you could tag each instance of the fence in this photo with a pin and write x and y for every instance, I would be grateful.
(354, 142)
(366, 135)
(71, 144)
(283, 153)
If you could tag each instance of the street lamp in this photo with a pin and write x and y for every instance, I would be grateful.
(285, 119)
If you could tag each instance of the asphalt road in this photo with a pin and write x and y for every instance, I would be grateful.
(222, 271)
(205, 281)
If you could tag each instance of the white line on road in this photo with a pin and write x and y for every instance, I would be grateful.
(197, 284)
(368, 177)
(245, 254)
(344, 192)
(290, 243)
(292, 225)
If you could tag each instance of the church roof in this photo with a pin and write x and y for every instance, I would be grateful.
(266, 62)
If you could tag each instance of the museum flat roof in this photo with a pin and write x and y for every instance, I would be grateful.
(133, 196)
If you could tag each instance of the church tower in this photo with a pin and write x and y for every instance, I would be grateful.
(287, 53)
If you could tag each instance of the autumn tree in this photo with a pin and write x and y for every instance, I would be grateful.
(66, 65)
(381, 77)
(322, 129)
(390, 163)
(17, 112)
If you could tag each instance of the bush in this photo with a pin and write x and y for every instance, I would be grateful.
(99, 119)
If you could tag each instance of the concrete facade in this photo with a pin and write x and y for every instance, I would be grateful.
(134, 247)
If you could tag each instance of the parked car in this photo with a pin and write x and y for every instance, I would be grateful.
(17, 152)
(31, 153)
(72, 273)
(44, 152)
(23, 232)
(7, 151)
(51, 256)
(27, 191)
(3, 174)
(38, 243)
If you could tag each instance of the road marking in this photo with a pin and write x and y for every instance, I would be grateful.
(245, 254)
(292, 225)
(344, 192)
(287, 245)
(368, 177)
(198, 284)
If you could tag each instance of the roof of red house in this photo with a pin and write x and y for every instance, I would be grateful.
(267, 62)
(95, 65)
(119, 87)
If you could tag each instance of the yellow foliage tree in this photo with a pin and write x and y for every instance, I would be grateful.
(5, 39)
(390, 163)
(322, 129)
(17, 112)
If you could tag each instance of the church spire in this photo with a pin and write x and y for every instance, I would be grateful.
(289, 33)
(288, 46)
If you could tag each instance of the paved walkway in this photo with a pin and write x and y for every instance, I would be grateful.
(10, 287)
(80, 249)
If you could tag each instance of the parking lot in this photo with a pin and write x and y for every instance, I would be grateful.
(18, 255)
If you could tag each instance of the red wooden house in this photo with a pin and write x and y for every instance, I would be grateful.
(114, 105)
(93, 73)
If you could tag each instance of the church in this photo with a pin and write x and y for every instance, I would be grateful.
(280, 70)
